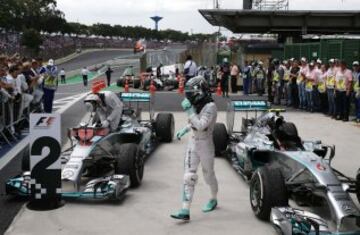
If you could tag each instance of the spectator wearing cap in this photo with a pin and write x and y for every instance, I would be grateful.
(343, 87)
(356, 77)
(304, 68)
(330, 87)
(318, 63)
(49, 85)
(321, 87)
(311, 79)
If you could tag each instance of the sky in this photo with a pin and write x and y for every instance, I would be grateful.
(178, 14)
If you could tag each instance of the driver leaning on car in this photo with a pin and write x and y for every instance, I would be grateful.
(107, 106)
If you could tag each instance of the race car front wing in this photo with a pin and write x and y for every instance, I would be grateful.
(106, 188)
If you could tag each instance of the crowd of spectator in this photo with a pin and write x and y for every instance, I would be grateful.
(26, 86)
(57, 46)
(316, 86)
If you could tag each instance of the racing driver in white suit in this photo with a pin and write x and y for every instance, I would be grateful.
(202, 114)
(107, 106)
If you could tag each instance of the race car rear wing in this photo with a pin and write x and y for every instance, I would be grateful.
(135, 97)
(247, 106)
(250, 105)
(140, 99)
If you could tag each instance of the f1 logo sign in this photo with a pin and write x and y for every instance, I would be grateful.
(44, 122)
(45, 163)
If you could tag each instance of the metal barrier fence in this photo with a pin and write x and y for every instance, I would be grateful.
(14, 117)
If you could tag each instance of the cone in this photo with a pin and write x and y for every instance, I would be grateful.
(126, 86)
(218, 90)
(181, 86)
(152, 87)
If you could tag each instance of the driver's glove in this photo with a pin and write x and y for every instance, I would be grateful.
(105, 124)
(182, 132)
(186, 105)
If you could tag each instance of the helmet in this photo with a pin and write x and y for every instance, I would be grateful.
(225, 60)
(276, 62)
(91, 102)
(197, 91)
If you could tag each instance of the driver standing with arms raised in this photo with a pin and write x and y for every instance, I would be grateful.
(202, 114)
(107, 106)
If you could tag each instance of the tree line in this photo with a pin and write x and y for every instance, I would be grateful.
(33, 16)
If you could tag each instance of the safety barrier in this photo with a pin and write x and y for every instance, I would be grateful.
(14, 117)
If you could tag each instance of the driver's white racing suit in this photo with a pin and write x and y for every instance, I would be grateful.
(200, 149)
(111, 110)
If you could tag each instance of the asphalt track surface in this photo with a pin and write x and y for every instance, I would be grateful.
(93, 58)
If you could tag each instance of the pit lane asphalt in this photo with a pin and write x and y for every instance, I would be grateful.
(146, 210)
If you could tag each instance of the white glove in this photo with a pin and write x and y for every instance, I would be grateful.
(105, 124)
(357, 95)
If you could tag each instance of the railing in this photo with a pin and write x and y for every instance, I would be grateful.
(14, 117)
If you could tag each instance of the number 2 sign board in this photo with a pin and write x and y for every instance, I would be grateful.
(45, 162)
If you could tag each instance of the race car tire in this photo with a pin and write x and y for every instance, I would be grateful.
(120, 83)
(357, 183)
(137, 84)
(267, 190)
(165, 127)
(220, 138)
(130, 162)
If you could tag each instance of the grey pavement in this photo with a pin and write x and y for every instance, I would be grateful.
(146, 210)
(95, 57)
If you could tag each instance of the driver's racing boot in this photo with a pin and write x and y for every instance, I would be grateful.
(210, 206)
(183, 214)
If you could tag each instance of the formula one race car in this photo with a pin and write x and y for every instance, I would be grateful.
(129, 77)
(280, 166)
(117, 157)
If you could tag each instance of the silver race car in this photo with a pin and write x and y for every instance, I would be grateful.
(110, 163)
(280, 166)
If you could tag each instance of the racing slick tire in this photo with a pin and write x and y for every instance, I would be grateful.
(120, 83)
(220, 138)
(357, 183)
(137, 84)
(267, 190)
(130, 162)
(165, 127)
